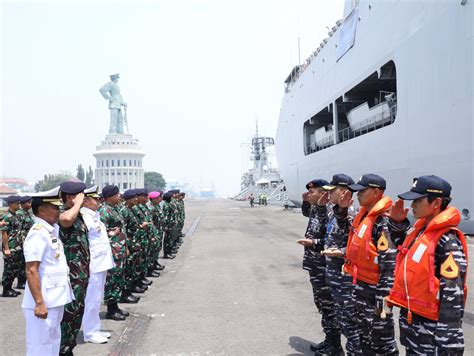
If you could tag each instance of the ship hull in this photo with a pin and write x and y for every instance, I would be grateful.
(431, 46)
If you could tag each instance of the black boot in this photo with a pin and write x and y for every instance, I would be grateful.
(153, 273)
(146, 282)
(334, 348)
(138, 289)
(319, 346)
(123, 312)
(129, 298)
(159, 267)
(169, 256)
(113, 312)
(9, 293)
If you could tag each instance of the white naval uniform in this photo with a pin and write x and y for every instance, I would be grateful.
(101, 261)
(42, 244)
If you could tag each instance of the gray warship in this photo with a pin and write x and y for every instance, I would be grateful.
(264, 177)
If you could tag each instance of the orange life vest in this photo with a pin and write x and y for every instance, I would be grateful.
(361, 254)
(416, 287)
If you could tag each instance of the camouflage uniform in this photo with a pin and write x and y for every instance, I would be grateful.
(169, 223)
(12, 264)
(174, 231)
(340, 285)
(315, 264)
(180, 204)
(158, 223)
(133, 261)
(76, 249)
(444, 337)
(115, 281)
(144, 237)
(377, 335)
(26, 224)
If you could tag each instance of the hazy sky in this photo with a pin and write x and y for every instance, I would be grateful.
(195, 76)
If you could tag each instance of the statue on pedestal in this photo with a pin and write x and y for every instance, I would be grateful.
(111, 92)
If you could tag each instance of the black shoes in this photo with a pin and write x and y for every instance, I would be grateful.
(123, 312)
(10, 293)
(129, 299)
(169, 256)
(20, 285)
(114, 315)
(146, 282)
(153, 273)
(159, 267)
(139, 289)
(319, 346)
(333, 347)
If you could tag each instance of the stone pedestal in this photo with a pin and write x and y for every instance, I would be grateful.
(119, 161)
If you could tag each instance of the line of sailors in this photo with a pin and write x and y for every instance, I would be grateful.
(79, 248)
(363, 264)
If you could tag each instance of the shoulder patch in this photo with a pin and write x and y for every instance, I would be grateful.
(449, 268)
(37, 227)
(382, 243)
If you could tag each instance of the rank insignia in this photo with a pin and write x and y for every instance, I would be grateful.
(382, 243)
(449, 268)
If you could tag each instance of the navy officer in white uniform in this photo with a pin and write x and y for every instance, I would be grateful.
(48, 288)
(101, 261)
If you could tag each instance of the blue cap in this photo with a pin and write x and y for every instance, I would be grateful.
(72, 187)
(109, 191)
(13, 199)
(342, 180)
(368, 181)
(25, 199)
(425, 186)
(317, 183)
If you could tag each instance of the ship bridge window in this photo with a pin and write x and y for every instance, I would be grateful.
(370, 105)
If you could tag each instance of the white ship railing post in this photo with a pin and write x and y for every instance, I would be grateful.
(335, 122)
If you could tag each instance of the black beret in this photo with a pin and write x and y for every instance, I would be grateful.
(142, 191)
(109, 191)
(72, 187)
(129, 194)
(13, 199)
(25, 199)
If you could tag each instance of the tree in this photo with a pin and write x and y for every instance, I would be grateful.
(154, 181)
(89, 178)
(51, 181)
(80, 173)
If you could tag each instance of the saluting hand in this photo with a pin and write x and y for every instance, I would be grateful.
(398, 213)
(78, 199)
(305, 196)
(345, 200)
(324, 200)
(41, 311)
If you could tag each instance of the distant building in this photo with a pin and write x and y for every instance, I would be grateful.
(119, 161)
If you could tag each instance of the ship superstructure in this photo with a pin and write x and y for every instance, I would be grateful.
(263, 177)
(388, 92)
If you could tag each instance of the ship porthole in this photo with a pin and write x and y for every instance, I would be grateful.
(465, 214)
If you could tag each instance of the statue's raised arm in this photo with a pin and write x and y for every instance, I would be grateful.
(111, 92)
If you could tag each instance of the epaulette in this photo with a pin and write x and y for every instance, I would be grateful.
(37, 226)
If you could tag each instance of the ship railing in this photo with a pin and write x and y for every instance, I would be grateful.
(387, 117)
(370, 124)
